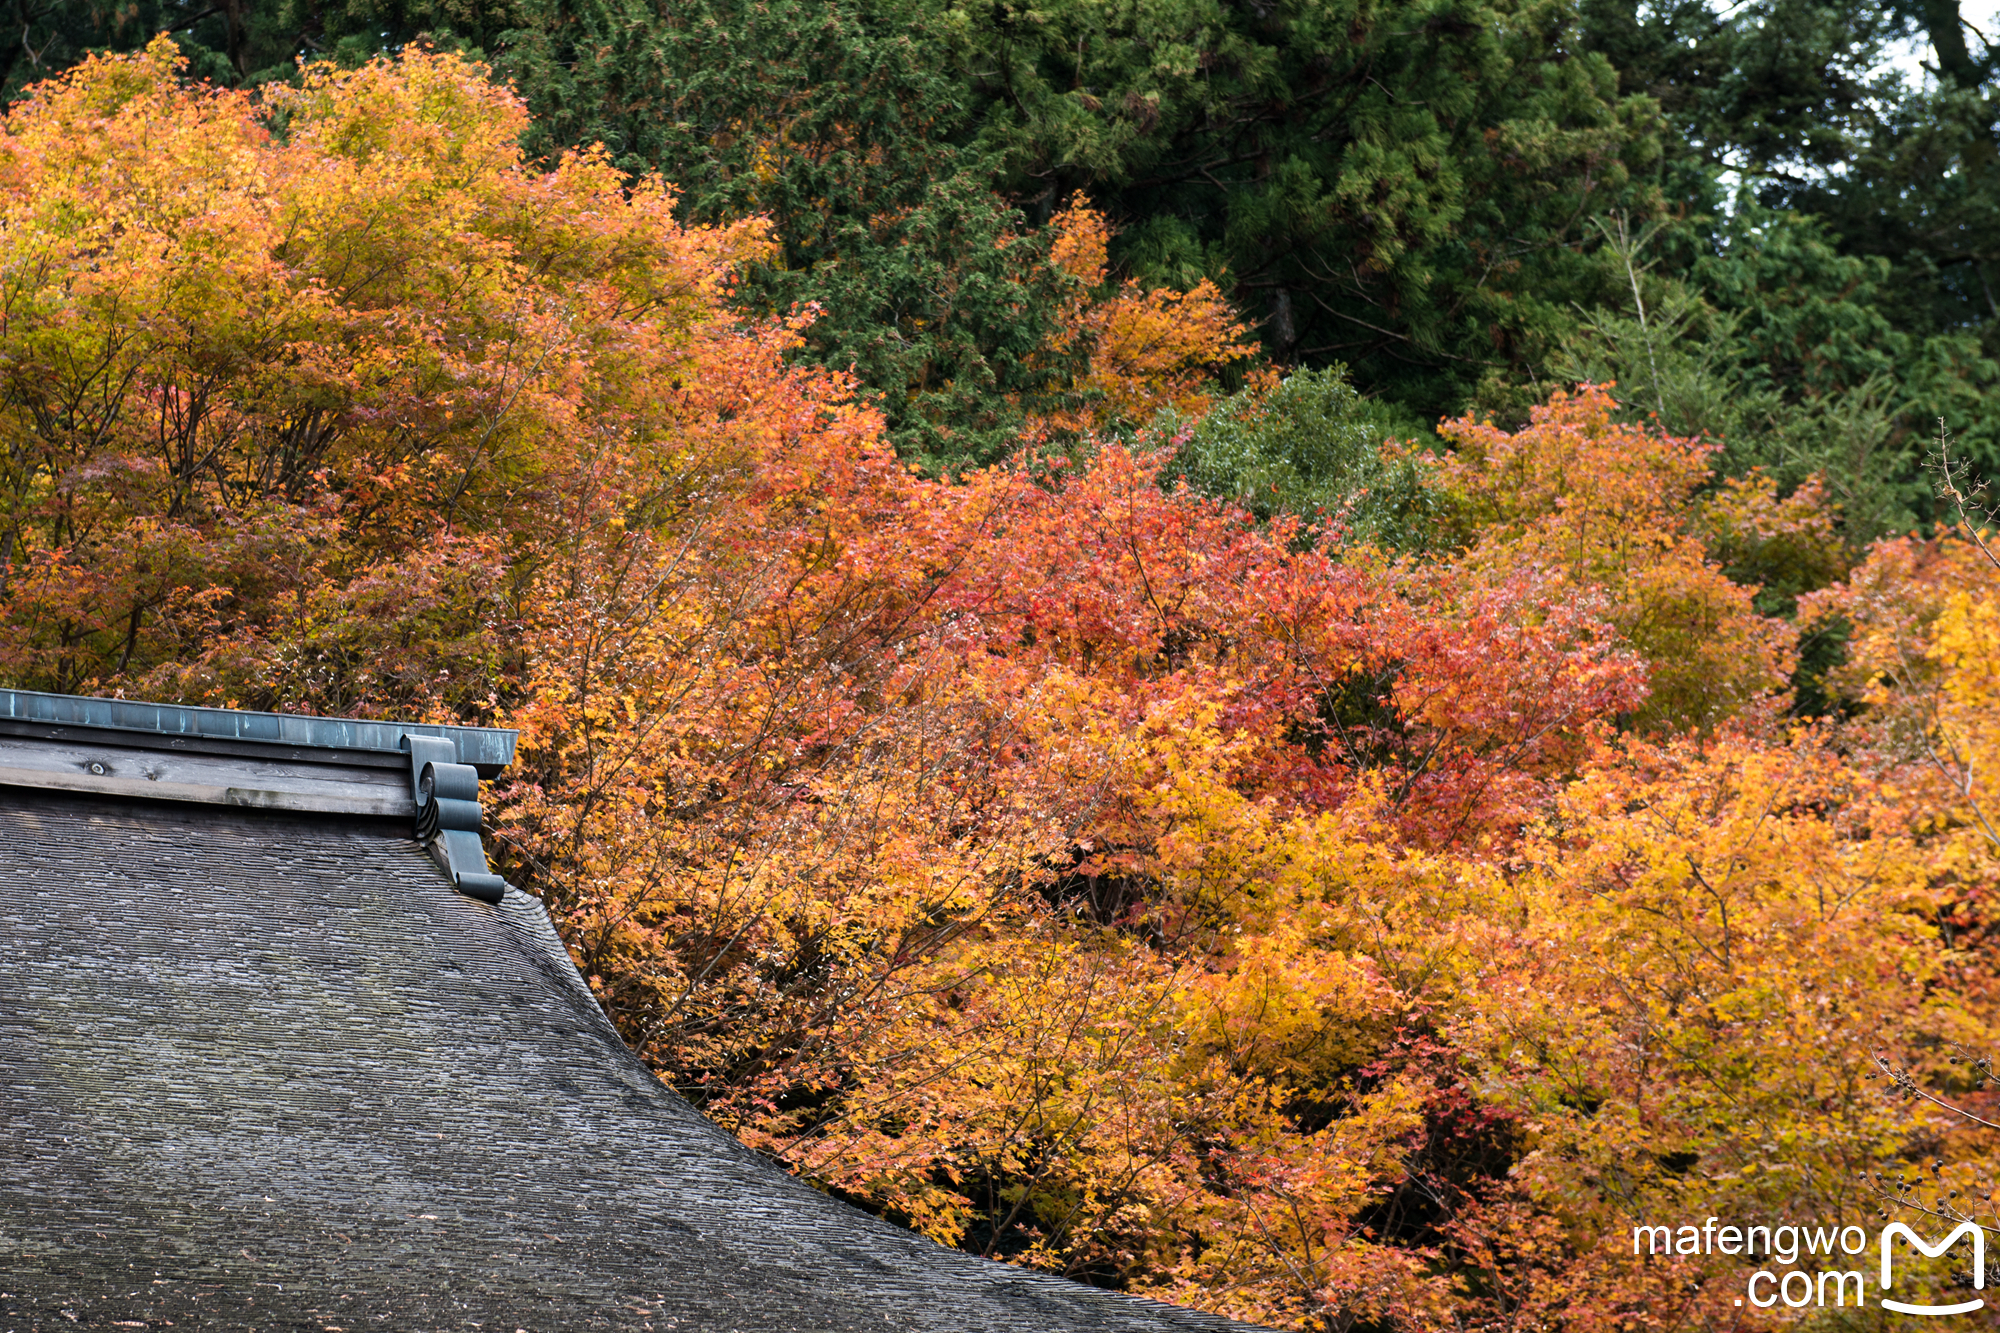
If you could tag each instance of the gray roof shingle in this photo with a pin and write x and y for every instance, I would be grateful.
(265, 1069)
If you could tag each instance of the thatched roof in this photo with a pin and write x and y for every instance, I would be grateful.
(263, 1068)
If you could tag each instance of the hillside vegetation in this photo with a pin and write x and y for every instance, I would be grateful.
(1258, 657)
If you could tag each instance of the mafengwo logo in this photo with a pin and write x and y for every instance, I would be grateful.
(1825, 1283)
(1978, 1234)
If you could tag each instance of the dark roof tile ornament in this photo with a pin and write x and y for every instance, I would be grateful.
(449, 819)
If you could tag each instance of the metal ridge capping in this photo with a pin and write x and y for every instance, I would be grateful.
(480, 746)
(127, 748)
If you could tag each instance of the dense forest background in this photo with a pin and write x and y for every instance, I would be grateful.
(1299, 658)
(1741, 214)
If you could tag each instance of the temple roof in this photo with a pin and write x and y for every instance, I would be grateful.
(261, 1066)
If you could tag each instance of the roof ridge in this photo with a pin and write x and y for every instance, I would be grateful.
(483, 747)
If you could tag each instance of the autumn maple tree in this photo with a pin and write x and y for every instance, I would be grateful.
(1143, 352)
(1207, 900)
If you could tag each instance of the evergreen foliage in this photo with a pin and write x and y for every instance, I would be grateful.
(1313, 447)
(1426, 192)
